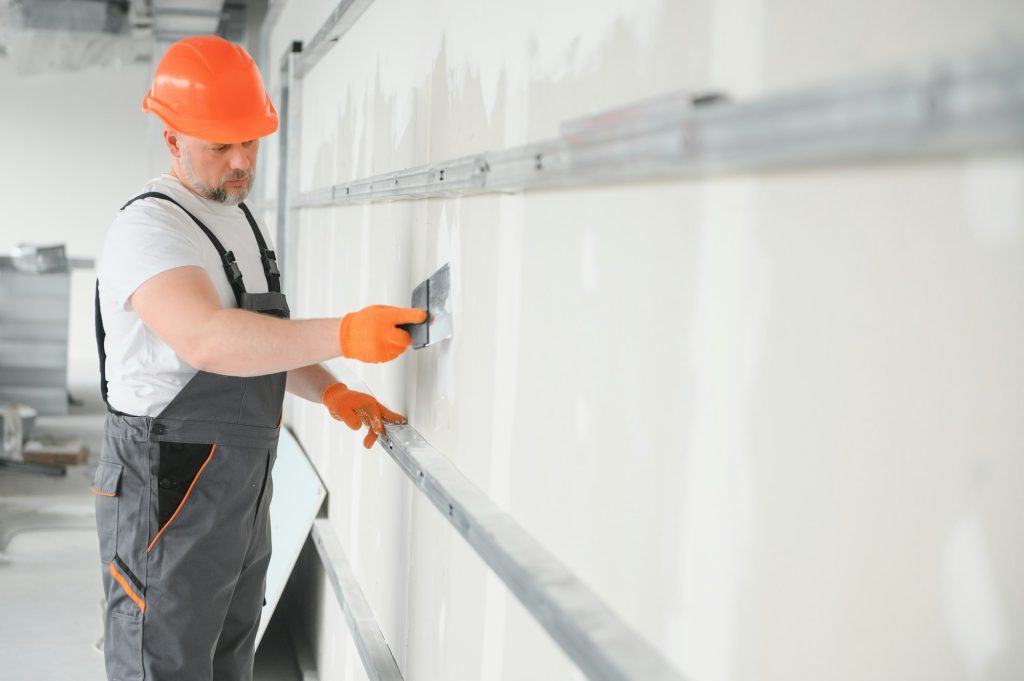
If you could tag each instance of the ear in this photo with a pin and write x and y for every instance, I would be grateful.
(174, 142)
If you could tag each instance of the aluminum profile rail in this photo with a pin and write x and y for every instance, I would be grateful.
(261, 54)
(288, 139)
(593, 636)
(378, 661)
(959, 106)
(340, 20)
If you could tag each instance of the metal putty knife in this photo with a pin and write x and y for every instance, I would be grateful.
(434, 296)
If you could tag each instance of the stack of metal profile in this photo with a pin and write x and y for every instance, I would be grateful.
(35, 286)
(39, 258)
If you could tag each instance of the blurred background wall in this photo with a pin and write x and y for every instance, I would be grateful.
(74, 147)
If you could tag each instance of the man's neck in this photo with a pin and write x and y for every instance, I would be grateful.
(179, 175)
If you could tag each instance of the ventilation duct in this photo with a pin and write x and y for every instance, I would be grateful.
(39, 36)
(89, 16)
(176, 19)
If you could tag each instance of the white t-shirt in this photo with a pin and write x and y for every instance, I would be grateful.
(149, 237)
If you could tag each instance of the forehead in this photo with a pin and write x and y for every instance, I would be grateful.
(198, 141)
(225, 144)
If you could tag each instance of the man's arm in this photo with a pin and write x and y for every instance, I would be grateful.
(309, 382)
(182, 308)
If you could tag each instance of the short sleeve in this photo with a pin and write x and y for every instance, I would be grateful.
(145, 240)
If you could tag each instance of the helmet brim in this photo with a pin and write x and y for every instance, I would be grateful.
(221, 131)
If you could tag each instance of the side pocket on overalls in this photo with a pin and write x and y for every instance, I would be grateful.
(126, 594)
(106, 486)
(180, 467)
(123, 637)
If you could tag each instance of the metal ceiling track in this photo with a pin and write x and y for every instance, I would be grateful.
(959, 106)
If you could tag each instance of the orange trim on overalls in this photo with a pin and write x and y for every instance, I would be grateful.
(102, 494)
(127, 587)
(183, 500)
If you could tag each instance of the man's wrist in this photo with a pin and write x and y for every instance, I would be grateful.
(329, 386)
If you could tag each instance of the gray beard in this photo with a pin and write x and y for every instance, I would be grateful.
(219, 194)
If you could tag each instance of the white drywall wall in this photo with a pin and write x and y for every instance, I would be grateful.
(75, 146)
(773, 420)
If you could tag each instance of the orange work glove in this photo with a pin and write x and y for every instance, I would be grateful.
(358, 409)
(371, 335)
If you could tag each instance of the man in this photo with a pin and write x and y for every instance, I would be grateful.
(196, 352)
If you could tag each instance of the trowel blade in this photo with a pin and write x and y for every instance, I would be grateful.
(434, 296)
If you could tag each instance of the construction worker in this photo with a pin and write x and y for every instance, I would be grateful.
(196, 351)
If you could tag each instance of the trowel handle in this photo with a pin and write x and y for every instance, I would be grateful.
(410, 327)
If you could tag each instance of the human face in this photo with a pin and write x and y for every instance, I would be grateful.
(219, 172)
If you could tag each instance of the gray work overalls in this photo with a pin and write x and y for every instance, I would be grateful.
(182, 503)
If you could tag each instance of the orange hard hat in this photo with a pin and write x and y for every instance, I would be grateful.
(209, 88)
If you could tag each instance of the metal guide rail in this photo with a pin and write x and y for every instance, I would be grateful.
(959, 106)
(287, 163)
(593, 636)
(376, 655)
(341, 19)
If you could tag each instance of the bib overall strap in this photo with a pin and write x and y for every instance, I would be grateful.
(270, 269)
(226, 256)
(101, 336)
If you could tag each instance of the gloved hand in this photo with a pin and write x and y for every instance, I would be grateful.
(358, 409)
(371, 335)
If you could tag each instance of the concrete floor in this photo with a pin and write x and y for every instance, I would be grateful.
(50, 593)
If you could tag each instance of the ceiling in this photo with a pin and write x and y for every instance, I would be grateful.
(46, 35)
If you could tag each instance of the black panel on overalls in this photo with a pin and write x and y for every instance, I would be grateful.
(182, 511)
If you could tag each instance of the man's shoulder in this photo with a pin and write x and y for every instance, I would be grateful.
(152, 211)
(158, 196)
(146, 237)
(150, 223)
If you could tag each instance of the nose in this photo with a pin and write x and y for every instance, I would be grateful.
(238, 158)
